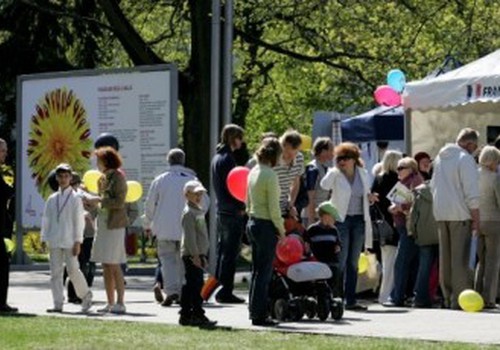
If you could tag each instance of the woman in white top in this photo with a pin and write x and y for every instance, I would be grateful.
(488, 250)
(348, 183)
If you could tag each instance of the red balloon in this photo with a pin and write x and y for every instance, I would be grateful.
(237, 182)
(386, 96)
(290, 250)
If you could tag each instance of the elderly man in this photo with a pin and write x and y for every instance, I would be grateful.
(455, 190)
(6, 195)
(162, 217)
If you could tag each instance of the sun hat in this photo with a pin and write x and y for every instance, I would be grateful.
(328, 208)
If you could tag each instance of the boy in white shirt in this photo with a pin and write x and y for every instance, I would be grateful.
(62, 228)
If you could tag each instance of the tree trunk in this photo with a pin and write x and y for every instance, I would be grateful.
(196, 100)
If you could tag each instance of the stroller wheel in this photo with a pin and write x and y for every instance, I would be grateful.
(323, 308)
(280, 309)
(311, 307)
(337, 309)
(295, 310)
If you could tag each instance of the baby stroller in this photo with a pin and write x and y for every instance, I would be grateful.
(299, 286)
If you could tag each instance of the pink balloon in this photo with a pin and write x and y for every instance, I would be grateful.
(386, 96)
(237, 182)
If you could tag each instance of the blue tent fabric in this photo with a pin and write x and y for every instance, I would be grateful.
(379, 124)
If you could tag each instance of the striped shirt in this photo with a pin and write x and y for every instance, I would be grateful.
(286, 174)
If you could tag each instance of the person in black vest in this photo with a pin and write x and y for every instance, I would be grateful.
(6, 198)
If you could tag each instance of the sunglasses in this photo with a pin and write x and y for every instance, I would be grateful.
(399, 168)
(341, 158)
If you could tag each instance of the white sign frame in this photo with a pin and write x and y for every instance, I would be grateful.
(145, 94)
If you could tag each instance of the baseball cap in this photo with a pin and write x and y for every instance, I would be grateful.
(328, 208)
(64, 167)
(194, 186)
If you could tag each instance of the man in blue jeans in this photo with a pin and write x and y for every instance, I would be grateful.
(230, 213)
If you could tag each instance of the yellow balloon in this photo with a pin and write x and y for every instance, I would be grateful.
(470, 301)
(306, 144)
(10, 245)
(363, 263)
(90, 179)
(134, 191)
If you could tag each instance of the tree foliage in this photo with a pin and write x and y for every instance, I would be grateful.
(290, 57)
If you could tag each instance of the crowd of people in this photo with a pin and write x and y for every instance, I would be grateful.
(432, 211)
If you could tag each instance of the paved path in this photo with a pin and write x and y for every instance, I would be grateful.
(30, 292)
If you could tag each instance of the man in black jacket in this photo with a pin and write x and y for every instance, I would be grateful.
(230, 213)
(6, 196)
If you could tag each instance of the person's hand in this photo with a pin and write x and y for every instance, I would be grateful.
(373, 197)
(475, 227)
(204, 261)
(92, 201)
(197, 261)
(337, 249)
(311, 215)
(76, 249)
(293, 212)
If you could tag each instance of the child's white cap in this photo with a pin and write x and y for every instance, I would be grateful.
(194, 186)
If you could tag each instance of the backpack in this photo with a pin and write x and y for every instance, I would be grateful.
(302, 200)
(421, 223)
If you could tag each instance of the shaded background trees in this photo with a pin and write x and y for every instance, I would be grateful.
(290, 57)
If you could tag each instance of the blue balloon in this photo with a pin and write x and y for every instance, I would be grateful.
(396, 79)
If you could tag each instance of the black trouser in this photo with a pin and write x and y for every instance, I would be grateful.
(335, 282)
(230, 229)
(4, 272)
(86, 266)
(191, 300)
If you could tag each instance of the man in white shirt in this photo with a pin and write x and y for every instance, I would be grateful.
(162, 218)
(455, 192)
(62, 228)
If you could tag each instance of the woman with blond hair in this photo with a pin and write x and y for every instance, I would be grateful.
(407, 251)
(382, 184)
(350, 194)
(488, 268)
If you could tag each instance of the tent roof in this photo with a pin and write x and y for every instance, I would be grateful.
(379, 124)
(478, 81)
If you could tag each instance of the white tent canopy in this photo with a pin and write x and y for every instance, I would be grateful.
(478, 81)
(438, 108)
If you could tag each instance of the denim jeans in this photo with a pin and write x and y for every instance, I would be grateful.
(428, 255)
(407, 252)
(352, 237)
(230, 229)
(191, 301)
(263, 238)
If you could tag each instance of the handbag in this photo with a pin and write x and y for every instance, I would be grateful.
(381, 228)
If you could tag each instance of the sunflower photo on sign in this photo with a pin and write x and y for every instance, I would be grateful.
(7, 174)
(59, 133)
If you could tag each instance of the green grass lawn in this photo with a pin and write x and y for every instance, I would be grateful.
(38, 332)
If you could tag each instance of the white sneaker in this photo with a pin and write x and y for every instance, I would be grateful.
(119, 309)
(87, 302)
(105, 309)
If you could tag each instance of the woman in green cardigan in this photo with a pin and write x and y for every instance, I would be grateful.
(265, 226)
